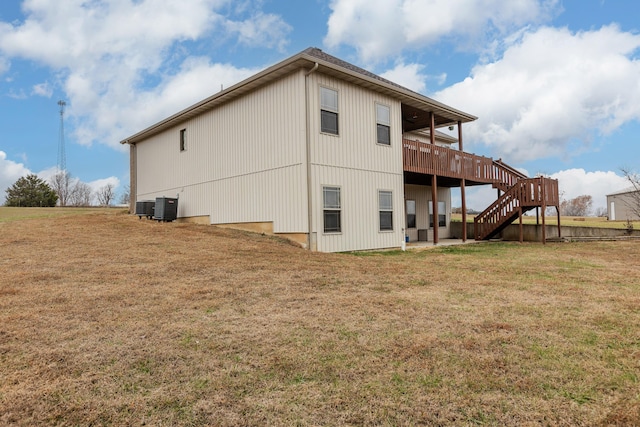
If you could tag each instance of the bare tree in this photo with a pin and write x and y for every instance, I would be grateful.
(633, 201)
(125, 198)
(106, 195)
(601, 211)
(61, 184)
(80, 194)
(579, 206)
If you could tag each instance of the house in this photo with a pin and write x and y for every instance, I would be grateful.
(326, 154)
(624, 205)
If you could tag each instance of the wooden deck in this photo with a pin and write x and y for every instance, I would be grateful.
(430, 159)
(521, 193)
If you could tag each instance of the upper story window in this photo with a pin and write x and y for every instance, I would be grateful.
(385, 207)
(328, 111)
(331, 209)
(183, 139)
(383, 120)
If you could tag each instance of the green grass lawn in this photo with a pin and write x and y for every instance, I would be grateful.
(570, 221)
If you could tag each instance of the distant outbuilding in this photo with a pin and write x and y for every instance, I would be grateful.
(620, 205)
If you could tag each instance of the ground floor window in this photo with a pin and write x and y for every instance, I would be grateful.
(331, 209)
(411, 214)
(442, 214)
(385, 208)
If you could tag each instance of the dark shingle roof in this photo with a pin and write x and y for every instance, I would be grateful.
(318, 53)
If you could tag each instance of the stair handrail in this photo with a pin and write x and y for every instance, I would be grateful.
(505, 176)
(499, 211)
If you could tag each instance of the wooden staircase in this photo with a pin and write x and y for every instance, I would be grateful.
(519, 197)
(520, 193)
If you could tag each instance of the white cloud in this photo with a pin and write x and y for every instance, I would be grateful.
(578, 182)
(4, 66)
(10, 172)
(381, 28)
(408, 75)
(412, 76)
(104, 51)
(571, 182)
(373, 27)
(43, 89)
(266, 30)
(551, 91)
(100, 183)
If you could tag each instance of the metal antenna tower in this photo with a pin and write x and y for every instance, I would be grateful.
(62, 156)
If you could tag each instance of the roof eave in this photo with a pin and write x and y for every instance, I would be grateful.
(301, 60)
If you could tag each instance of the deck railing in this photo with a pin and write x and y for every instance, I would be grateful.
(521, 193)
(433, 159)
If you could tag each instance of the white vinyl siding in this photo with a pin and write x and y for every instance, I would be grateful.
(355, 163)
(355, 146)
(241, 165)
(359, 203)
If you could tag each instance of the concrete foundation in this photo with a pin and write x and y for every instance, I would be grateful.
(533, 232)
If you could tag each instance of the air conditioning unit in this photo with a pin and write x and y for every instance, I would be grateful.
(166, 209)
(145, 208)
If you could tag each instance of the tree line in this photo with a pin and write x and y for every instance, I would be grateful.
(62, 190)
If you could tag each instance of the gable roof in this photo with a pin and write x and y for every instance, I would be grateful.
(328, 64)
(627, 190)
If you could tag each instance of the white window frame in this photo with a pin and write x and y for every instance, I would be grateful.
(325, 107)
(331, 208)
(385, 209)
(384, 122)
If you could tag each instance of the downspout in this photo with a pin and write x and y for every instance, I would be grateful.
(311, 243)
(133, 177)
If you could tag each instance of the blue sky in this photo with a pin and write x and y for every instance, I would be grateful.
(555, 83)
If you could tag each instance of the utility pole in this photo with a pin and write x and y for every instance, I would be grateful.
(62, 155)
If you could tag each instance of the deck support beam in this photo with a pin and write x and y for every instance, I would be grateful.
(521, 228)
(463, 196)
(434, 180)
(544, 210)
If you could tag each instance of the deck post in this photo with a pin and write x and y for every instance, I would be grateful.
(559, 228)
(434, 180)
(521, 230)
(544, 209)
(463, 197)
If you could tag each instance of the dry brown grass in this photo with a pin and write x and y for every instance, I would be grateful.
(111, 320)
